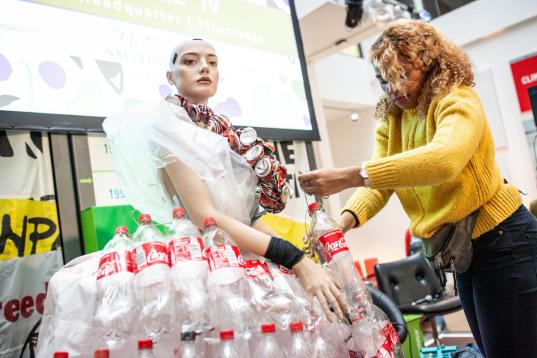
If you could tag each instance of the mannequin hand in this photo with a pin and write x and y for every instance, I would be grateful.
(346, 222)
(324, 182)
(317, 282)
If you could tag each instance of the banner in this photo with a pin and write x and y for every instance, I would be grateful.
(524, 73)
(29, 238)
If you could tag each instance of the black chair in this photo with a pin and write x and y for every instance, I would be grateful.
(413, 286)
(390, 308)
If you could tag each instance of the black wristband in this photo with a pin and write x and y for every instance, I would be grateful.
(283, 253)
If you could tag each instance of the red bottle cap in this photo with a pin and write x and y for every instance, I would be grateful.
(145, 344)
(122, 230)
(226, 334)
(102, 353)
(268, 328)
(209, 221)
(144, 219)
(178, 213)
(313, 207)
(61, 355)
(296, 326)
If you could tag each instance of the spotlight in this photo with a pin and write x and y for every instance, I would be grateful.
(355, 11)
(425, 15)
(380, 11)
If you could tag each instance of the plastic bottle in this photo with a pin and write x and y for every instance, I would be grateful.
(225, 259)
(101, 353)
(115, 298)
(227, 286)
(332, 249)
(145, 348)
(299, 346)
(227, 345)
(268, 347)
(189, 349)
(391, 346)
(181, 225)
(189, 270)
(151, 279)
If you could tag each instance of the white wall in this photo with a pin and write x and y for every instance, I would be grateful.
(495, 53)
(507, 32)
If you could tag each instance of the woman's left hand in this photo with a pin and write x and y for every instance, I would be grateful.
(324, 182)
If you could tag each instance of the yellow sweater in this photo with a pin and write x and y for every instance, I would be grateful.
(441, 167)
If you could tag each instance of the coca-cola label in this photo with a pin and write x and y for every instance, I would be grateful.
(255, 268)
(185, 249)
(223, 256)
(114, 262)
(333, 243)
(149, 254)
(390, 341)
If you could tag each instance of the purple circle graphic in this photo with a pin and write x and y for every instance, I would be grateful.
(5, 68)
(164, 90)
(53, 74)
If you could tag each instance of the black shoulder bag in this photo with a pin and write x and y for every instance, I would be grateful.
(450, 248)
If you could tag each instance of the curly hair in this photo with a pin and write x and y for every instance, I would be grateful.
(424, 48)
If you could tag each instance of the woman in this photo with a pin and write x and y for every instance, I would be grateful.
(434, 149)
(160, 154)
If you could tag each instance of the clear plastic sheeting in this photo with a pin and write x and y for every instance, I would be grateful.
(146, 138)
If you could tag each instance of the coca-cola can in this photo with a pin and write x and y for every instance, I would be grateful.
(254, 154)
(248, 136)
(286, 193)
(264, 167)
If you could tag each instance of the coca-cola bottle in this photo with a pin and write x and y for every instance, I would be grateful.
(332, 249)
(115, 298)
(391, 346)
(189, 349)
(152, 280)
(189, 270)
(286, 283)
(269, 347)
(61, 355)
(270, 305)
(102, 353)
(227, 285)
(227, 347)
(300, 347)
(145, 348)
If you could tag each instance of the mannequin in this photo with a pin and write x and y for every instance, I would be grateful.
(194, 73)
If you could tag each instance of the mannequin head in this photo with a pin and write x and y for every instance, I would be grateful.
(194, 70)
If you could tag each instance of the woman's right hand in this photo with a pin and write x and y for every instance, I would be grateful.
(317, 282)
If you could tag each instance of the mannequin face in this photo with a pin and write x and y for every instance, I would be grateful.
(195, 71)
(412, 87)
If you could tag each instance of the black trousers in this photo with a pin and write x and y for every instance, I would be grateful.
(499, 291)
